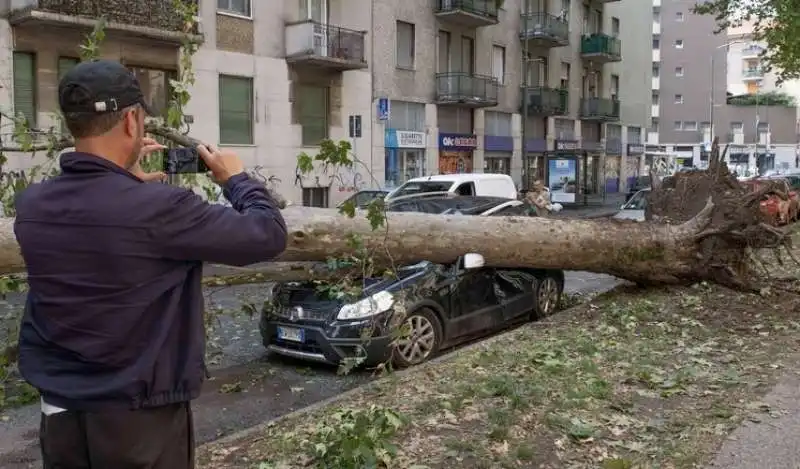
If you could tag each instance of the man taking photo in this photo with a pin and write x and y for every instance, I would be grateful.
(113, 334)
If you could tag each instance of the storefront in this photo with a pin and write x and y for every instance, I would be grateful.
(563, 172)
(613, 165)
(405, 156)
(535, 164)
(592, 169)
(455, 153)
(497, 153)
(765, 162)
(633, 163)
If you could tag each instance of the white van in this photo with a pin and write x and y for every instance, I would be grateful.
(474, 184)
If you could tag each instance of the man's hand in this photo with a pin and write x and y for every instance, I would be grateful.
(148, 146)
(223, 164)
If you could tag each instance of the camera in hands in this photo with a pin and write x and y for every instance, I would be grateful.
(184, 160)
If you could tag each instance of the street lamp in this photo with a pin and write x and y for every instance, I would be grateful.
(727, 46)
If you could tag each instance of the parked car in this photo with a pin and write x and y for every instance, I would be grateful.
(634, 208)
(444, 305)
(363, 198)
(777, 210)
(468, 184)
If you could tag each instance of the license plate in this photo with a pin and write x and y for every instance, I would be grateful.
(291, 334)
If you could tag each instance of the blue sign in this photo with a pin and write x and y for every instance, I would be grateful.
(384, 109)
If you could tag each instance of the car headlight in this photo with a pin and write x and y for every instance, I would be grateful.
(375, 304)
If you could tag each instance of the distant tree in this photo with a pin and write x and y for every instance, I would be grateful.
(772, 98)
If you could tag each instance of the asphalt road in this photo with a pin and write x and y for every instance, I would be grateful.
(246, 388)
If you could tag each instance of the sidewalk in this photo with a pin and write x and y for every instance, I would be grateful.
(771, 438)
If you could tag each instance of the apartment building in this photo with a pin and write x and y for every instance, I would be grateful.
(538, 89)
(418, 87)
(695, 72)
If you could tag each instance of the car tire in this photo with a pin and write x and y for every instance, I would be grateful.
(547, 297)
(412, 350)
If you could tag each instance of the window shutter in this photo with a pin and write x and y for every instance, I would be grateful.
(25, 86)
(236, 110)
(313, 109)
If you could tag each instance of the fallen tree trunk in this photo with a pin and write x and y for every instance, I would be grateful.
(707, 224)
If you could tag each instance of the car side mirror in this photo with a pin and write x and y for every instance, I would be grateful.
(473, 261)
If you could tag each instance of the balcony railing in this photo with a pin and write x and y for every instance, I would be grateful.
(469, 13)
(544, 29)
(464, 89)
(326, 46)
(545, 101)
(148, 18)
(602, 109)
(601, 48)
(753, 73)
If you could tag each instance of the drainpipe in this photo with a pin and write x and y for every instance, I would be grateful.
(372, 94)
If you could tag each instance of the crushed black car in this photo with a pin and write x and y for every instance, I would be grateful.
(443, 305)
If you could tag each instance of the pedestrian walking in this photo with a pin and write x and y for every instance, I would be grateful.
(113, 333)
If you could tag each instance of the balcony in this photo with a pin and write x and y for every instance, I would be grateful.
(656, 28)
(601, 48)
(323, 46)
(467, 13)
(751, 74)
(544, 101)
(466, 90)
(599, 109)
(752, 52)
(151, 19)
(656, 83)
(544, 30)
(656, 55)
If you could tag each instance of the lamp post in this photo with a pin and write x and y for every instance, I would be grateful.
(727, 46)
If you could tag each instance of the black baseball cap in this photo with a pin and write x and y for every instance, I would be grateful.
(98, 87)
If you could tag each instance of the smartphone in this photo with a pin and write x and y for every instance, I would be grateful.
(184, 160)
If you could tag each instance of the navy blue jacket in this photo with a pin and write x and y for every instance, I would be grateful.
(114, 316)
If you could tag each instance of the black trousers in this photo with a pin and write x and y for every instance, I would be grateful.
(157, 438)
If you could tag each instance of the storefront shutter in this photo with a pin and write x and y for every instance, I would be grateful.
(25, 86)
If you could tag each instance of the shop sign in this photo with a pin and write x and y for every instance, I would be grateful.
(567, 145)
(407, 139)
(458, 141)
(635, 149)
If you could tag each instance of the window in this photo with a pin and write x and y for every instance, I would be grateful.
(705, 126)
(443, 52)
(235, 110)
(679, 43)
(467, 55)
(655, 98)
(155, 87)
(497, 123)
(615, 27)
(405, 45)
(678, 71)
(656, 15)
(690, 125)
(65, 64)
(737, 127)
(565, 8)
(679, 16)
(656, 69)
(499, 63)
(615, 87)
(677, 125)
(678, 99)
(312, 112)
(314, 10)
(565, 71)
(407, 116)
(237, 7)
(315, 197)
(656, 43)
(495, 165)
(538, 72)
(25, 86)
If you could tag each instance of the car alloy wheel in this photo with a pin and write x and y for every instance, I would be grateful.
(547, 296)
(422, 340)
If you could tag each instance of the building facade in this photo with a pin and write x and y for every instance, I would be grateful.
(695, 73)
(418, 87)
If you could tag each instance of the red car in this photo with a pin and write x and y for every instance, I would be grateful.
(777, 210)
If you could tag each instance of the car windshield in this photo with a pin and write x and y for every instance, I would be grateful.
(421, 187)
(638, 201)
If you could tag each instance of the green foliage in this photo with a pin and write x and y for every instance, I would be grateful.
(776, 24)
(355, 439)
(90, 49)
(772, 98)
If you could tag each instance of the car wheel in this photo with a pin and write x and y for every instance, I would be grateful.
(423, 339)
(548, 295)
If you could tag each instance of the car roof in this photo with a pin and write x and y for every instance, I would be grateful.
(460, 177)
(466, 205)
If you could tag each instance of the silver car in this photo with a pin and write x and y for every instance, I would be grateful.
(634, 207)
